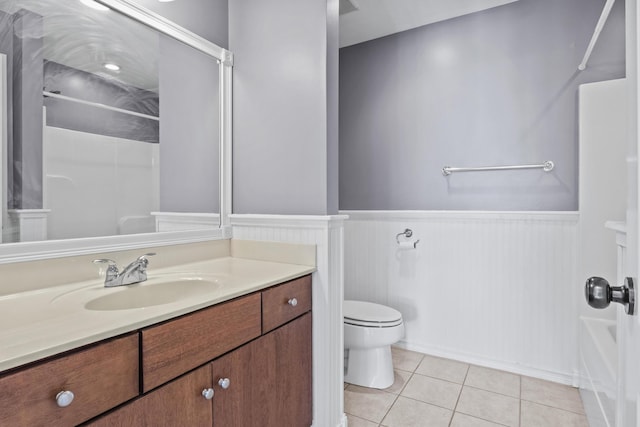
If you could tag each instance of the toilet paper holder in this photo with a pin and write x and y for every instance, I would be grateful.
(407, 233)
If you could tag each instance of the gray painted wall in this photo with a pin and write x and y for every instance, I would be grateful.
(207, 18)
(189, 172)
(6, 47)
(333, 85)
(189, 129)
(492, 88)
(283, 89)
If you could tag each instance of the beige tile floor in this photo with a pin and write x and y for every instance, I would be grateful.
(433, 392)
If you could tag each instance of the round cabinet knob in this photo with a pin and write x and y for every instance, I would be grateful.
(224, 383)
(292, 302)
(208, 393)
(64, 398)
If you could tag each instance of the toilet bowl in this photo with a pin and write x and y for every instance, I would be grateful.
(369, 331)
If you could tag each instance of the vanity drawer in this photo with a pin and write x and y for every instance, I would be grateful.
(283, 303)
(100, 377)
(177, 346)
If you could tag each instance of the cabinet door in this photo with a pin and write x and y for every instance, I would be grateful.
(269, 380)
(292, 384)
(179, 403)
(248, 398)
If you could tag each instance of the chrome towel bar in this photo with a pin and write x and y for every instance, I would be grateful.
(546, 166)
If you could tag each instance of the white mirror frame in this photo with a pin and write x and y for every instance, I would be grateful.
(29, 251)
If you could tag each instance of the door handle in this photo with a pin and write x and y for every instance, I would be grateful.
(599, 294)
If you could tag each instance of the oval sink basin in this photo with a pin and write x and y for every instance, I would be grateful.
(148, 294)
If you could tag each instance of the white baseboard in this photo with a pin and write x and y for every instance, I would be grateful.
(343, 422)
(514, 368)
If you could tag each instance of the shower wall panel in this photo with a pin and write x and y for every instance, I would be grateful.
(99, 185)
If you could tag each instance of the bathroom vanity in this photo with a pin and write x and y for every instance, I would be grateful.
(239, 356)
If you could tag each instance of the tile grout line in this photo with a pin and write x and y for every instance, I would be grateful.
(405, 384)
(447, 380)
(427, 403)
(487, 419)
(546, 405)
(412, 373)
(484, 419)
(390, 407)
(554, 407)
(455, 407)
(520, 403)
(480, 389)
(491, 391)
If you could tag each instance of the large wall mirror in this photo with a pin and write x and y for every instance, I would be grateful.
(113, 125)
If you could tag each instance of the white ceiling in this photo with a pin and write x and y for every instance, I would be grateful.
(379, 18)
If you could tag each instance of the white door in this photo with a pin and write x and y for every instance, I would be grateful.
(629, 326)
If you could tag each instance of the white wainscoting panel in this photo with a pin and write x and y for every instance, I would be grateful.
(26, 225)
(326, 232)
(492, 288)
(180, 221)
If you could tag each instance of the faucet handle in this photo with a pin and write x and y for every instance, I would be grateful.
(105, 261)
(112, 269)
(144, 258)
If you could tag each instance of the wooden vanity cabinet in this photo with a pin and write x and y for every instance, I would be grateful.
(289, 346)
(172, 348)
(264, 383)
(247, 398)
(292, 383)
(100, 377)
(285, 302)
(269, 380)
(178, 403)
(251, 357)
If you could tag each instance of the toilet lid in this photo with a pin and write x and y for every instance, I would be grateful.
(361, 313)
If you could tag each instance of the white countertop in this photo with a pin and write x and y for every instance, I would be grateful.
(45, 322)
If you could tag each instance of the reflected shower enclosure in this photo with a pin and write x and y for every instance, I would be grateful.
(88, 148)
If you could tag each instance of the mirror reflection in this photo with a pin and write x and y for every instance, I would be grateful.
(108, 126)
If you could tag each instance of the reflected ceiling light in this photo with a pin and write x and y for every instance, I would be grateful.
(111, 66)
(164, 1)
(94, 5)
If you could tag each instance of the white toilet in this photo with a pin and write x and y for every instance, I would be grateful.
(369, 331)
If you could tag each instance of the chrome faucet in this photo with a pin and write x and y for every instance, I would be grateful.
(135, 272)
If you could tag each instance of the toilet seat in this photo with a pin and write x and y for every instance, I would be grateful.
(370, 315)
